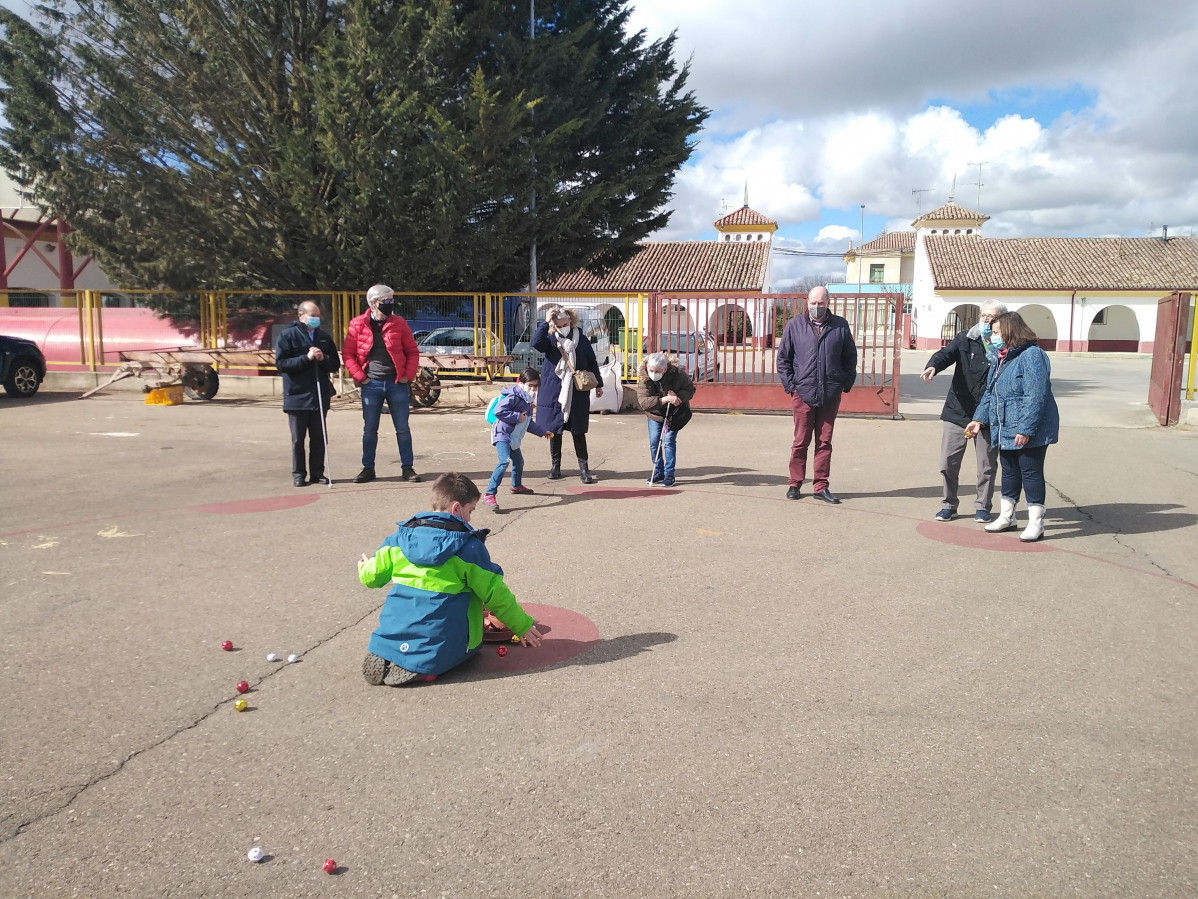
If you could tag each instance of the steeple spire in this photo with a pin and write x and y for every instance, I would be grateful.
(952, 193)
(746, 206)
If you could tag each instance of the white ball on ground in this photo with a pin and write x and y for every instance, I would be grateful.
(256, 854)
(272, 657)
(293, 658)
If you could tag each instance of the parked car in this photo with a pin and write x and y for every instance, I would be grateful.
(593, 328)
(22, 366)
(459, 342)
(695, 351)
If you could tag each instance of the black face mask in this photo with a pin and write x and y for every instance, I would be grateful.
(387, 308)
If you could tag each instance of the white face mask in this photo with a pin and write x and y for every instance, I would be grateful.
(656, 375)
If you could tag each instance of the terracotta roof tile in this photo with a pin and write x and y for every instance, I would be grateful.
(887, 244)
(744, 216)
(951, 212)
(1063, 263)
(679, 265)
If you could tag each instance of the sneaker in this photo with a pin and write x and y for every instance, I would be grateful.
(374, 669)
(409, 474)
(668, 482)
(364, 476)
(397, 677)
(523, 491)
(946, 515)
(490, 502)
(981, 515)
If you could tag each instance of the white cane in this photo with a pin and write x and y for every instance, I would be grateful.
(324, 433)
(661, 441)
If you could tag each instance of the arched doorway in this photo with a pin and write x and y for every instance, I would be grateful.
(1114, 330)
(730, 324)
(675, 317)
(959, 319)
(1039, 319)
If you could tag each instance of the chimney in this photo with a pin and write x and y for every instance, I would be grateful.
(1164, 233)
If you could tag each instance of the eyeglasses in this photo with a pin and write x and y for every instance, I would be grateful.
(987, 317)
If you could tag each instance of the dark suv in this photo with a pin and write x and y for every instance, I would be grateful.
(22, 366)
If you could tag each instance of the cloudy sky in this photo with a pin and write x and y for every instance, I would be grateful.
(1084, 113)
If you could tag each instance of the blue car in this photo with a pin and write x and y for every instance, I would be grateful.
(22, 366)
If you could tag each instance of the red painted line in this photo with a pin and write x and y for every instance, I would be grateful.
(251, 506)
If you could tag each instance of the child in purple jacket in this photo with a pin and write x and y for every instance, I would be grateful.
(513, 416)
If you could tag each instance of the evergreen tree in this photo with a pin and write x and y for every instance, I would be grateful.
(332, 143)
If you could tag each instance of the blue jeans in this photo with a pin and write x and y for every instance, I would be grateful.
(663, 466)
(396, 395)
(1023, 469)
(506, 452)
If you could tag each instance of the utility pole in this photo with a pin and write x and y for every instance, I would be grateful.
(979, 165)
(918, 194)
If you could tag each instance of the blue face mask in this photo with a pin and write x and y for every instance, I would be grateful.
(985, 328)
(996, 342)
(313, 322)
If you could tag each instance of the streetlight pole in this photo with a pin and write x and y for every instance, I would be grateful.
(532, 255)
(861, 244)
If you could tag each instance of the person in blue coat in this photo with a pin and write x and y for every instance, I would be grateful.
(306, 356)
(559, 406)
(1019, 408)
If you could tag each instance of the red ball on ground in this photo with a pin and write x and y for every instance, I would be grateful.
(227, 646)
(243, 687)
(329, 866)
(502, 651)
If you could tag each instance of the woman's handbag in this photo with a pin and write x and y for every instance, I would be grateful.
(583, 380)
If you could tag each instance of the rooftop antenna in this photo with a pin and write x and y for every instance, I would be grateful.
(979, 181)
(918, 194)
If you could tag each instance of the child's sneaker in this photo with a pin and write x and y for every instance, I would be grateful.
(522, 490)
(490, 502)
(378, 670)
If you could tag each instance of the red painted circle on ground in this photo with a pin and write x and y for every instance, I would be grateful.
(567, 634)
(249, 506)
(976, 538)
(620, 492)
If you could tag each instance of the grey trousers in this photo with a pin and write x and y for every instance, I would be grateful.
(952, 451)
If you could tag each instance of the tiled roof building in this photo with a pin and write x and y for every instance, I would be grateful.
(678, 265)
(744, 216)
(886, 244)
(951, 212)
(1063, 263)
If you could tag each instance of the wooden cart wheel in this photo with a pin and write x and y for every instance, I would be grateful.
(425, 389)
(200, 382)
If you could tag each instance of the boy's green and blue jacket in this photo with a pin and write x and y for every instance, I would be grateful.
(441, 577)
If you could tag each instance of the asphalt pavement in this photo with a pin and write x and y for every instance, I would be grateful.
(774, 698)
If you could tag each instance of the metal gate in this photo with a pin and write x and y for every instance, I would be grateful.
(729, 341)
(1168, 352)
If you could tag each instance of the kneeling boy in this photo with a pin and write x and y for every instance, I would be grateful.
(441, 578)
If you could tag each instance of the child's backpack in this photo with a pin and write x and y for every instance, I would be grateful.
(491, 407)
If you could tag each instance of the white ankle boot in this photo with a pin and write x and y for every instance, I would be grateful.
(1035, 523)
(1006, 517)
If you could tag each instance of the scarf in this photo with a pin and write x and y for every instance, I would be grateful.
(564, 372)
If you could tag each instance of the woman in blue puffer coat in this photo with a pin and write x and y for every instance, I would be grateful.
(1022, 415)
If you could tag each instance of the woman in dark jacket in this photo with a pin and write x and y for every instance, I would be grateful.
(1022, 415)
(559, 406)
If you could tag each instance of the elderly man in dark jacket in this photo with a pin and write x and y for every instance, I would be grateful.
(817, 362)
(305, 356)
(967, 351)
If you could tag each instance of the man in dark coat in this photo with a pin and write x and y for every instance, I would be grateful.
(967, 351)
(559, 406)
(817, 363)
(305, 356)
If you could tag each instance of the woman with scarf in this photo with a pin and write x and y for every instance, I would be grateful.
(1022, 415)
(560, 407)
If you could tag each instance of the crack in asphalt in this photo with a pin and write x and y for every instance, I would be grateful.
(1115, 533)
(80, 789)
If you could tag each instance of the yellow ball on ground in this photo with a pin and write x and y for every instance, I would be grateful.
(241, 705)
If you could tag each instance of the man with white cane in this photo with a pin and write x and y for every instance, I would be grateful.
(663, 392)
(306, 356)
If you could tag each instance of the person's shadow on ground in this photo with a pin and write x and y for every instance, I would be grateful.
(1115, 518)
(570, 652)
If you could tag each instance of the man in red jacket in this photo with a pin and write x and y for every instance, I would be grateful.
(381, 355)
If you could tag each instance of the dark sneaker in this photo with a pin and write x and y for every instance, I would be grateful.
(374, 669)
(364, 476)
(397, 677)
(409, 474)
(981, 515)
(321, 480)
(298, 480)
(668, 482)
(949, 515)
(523, 491)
